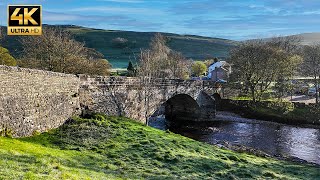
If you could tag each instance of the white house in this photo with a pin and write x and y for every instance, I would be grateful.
(219, 71)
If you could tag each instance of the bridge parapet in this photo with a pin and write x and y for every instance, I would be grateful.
(122, 80)
(131, 97)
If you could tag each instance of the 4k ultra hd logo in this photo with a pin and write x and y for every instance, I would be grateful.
(24, 20)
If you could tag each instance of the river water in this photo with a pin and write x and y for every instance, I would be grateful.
(272, 138)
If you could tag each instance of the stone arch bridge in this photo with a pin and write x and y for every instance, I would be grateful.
(34, 100)
(183, 100)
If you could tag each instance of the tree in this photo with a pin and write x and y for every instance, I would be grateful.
(291, 46)
(6, 58)
(209, 62)
(258, 64)
(1, 33)
(56, 50)
(311, 65)
(287, 69)
(153, 61)
(130, 66)
(199, 68)
(178, 65)
(131, 70)
(159, 61)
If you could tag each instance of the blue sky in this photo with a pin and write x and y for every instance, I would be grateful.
(232, 19)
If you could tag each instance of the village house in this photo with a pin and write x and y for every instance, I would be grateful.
(219, 71)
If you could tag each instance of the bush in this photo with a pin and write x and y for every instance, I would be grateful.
(6, 58)
(199, 68)
(6, 132)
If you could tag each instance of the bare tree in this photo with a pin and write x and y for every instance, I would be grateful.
(146, 72)
(159, 61)
(259, 63)
(177, 65)
(56, 50)
(311, 65)
(290, 44)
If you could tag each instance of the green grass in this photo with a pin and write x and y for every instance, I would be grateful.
(242, 98)
(116, 147)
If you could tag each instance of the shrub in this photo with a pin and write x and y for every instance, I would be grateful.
(6, 58)
(6, 132)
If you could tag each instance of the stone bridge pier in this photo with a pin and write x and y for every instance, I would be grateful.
(182, 100)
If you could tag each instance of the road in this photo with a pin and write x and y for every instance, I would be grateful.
(302, 99)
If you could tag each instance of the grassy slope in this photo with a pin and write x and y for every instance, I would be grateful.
(195, 47)
(112, 147)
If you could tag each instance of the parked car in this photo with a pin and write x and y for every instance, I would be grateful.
(312, 92)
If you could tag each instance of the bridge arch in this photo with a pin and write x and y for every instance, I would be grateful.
(216, 96)
(184, 100)
(181, 107)
(185, 108)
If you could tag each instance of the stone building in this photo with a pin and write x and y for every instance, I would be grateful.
(219, 71)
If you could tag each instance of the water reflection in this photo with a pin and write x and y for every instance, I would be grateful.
(301, 142)
(272, 138)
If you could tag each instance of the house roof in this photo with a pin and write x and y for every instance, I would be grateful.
(219, 64)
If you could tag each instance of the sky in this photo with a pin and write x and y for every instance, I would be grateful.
(230, 19)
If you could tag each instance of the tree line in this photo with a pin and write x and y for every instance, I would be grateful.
(262, 63)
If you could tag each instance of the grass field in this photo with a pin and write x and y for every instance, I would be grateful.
(119, 148)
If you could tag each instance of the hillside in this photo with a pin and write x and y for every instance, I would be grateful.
(195, 47)
(191, 46)
(309, 38)
(118, 148)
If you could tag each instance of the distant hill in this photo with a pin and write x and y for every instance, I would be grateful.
(306, 38)
(105, 41)
(309, 38)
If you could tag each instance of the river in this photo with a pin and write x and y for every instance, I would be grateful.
(272, 138)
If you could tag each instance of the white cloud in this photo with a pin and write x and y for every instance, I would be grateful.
(311, 12)
(52, 17)
(116, 10)
(63, 18)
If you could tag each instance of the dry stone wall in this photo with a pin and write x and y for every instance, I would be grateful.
(34, 100)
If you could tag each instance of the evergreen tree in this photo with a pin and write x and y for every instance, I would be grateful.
(130, 66)
(131, 70)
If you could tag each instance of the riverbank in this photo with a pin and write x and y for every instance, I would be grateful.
(119, 148)
(281, 112)
(261, 138)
